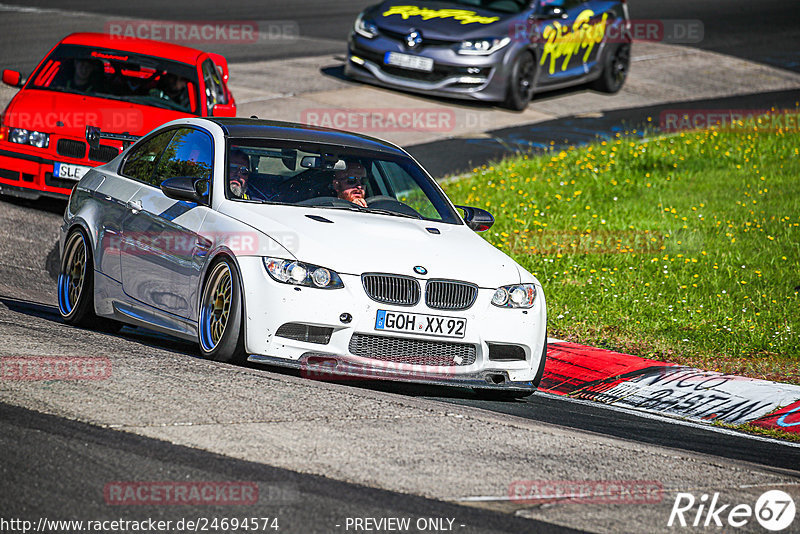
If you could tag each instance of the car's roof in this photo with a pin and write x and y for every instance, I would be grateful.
(290, 131)
(183, 54)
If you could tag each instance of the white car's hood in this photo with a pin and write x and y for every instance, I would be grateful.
(356, 243)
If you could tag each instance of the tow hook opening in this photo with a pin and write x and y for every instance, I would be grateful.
(495, 378)
(322, 361)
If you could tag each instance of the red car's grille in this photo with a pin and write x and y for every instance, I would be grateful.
(71, 149)
(103, 153)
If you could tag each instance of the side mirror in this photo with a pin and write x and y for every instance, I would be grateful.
(477, 219)
(12, 78)
(552, 12)
(185, 188)
(224, 110)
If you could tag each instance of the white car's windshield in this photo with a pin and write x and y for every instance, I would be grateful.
(334, 178)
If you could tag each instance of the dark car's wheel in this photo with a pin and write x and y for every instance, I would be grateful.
(76, 286)
(521, 82)
(221, 334)
(615, 69)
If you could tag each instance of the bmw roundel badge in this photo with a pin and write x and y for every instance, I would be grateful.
(419, 269)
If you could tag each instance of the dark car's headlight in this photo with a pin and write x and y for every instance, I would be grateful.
(365, 28)
(482, 47)
(302, 274)
(28, 137)
(515, 296)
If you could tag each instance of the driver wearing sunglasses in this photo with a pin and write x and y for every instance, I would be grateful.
(349, 183)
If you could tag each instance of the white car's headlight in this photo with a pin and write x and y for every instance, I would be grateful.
(365, 28)
(28, 137)
(482, 47)
(515, 296)
(302, 274)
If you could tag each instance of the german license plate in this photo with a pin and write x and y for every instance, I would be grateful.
(408, 62)
(69, 172)
(419, 323)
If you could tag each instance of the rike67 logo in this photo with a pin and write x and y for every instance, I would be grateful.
(774, 510)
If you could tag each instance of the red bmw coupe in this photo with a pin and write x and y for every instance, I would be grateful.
(119, 84)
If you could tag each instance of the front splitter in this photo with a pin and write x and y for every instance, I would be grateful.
(322, 366)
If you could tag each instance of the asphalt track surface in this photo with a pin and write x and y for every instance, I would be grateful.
(78, 460)
(81, 458)
(765, 31)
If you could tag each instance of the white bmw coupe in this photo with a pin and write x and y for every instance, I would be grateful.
(291, 245)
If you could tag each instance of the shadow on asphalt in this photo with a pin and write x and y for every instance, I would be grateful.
(51, 205)
(338, 73)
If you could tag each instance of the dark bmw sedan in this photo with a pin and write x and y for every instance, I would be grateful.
(492, 50)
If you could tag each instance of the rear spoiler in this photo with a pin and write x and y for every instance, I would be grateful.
(94, 135)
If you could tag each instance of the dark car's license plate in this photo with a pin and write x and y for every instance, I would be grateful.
(419, 323)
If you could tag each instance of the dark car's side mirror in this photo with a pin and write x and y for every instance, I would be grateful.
(186, 188)
(477, 219)
(224, 110)
(13, 78)
(552, 12)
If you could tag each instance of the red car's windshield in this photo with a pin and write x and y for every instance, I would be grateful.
(121, 76)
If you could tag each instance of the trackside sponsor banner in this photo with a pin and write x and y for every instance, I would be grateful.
(181, 493)
(621, 379)
(587, 491)
(39, 368)
(571, 367)
(786, 419)
(695, 394)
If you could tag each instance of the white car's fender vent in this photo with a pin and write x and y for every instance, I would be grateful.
(305, 332)
(412, 351)
(392, 289)
(450, 295)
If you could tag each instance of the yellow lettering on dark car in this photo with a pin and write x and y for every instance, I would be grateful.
(564, 42)
(461, 15)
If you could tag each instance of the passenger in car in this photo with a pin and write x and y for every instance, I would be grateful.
(348, 184)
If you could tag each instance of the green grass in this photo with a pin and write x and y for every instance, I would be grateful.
(683, 248)
(761, 431)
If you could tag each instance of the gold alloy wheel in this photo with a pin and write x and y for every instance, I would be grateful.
(74, 271)
(217, 305)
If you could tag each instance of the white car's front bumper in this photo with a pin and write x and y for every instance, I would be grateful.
(402, 356)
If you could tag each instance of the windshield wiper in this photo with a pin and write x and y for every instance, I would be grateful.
(395, 213)
(362, 209)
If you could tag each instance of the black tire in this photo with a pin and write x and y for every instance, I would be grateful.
(220, 328)
(521, 82)
(615, 69)
(76, 285)
(540, 371)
